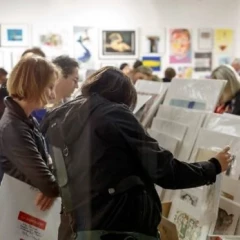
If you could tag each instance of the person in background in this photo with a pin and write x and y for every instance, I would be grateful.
(64, 86)
(137, 64)
(68, 81)
(230, 99)
(140, 73)
(23, 153)
(3, 89)
(169, 74)
(236, 65)
(35, 50)
(113, 163)
(125, 68)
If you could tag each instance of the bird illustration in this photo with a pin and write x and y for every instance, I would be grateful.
(86, 55)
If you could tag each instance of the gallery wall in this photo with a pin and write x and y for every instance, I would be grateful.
(125, 14)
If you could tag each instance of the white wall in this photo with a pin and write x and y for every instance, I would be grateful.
(143, 14)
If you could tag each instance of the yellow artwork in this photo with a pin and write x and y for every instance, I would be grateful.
(223, 40)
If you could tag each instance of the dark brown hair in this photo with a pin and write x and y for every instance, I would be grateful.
(35, 50)
(3, 72)
(112, 84)
(66, 64)
(170, 73)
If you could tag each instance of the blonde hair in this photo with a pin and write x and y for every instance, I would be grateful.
(225, 72)
(30, 78)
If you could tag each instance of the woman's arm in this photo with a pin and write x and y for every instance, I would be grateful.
(19, 147)
(163, 168)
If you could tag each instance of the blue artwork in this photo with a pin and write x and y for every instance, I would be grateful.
(188, 104)
(85, 55)
(15, 35)
(153, 62)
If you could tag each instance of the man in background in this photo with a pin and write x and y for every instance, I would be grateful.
(125, 68)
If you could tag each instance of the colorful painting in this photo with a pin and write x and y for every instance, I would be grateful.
(121, 44)
(51, 40)
(153, 62)
(223, 41)
(185, 72)
(188, 227)
(203, 62)
(205, 39)
(14, 35)
(180, 46)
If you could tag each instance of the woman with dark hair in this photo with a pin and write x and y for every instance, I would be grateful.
(112, 163)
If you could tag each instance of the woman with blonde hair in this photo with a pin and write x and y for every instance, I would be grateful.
(23, 153)
(230, 99)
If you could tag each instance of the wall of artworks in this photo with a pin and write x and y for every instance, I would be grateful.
(186, 34)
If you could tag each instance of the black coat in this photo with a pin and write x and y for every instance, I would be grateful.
(3, 94)
(23, 152)
(108, 144)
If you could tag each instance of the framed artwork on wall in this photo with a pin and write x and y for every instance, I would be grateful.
(118, 44)
(14, 35)
(153, 42)
(180, 46)
(223, 41)
(205, 39)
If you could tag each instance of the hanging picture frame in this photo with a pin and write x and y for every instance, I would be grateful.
(205, 39)
(180, 42)
(15, 35)
(118, 44)
(153, 42)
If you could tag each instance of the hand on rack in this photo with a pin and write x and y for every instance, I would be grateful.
(224, 158)
(43, 202)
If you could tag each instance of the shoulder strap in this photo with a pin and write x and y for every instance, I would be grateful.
(60, 153)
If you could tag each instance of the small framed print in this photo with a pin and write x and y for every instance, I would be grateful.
(14, 35)
(205, 39)
(118, 44)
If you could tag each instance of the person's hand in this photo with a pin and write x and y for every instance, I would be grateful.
(43, 202)
(224, 158)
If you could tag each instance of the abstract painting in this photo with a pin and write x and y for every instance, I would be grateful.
(14, 35)
(153, 62)
(118, 44)
(180, 46)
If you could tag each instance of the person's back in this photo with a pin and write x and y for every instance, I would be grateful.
(112, 164)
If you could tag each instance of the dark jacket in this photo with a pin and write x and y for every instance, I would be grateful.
(107, 144)
(22, 150)
(3, 94)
